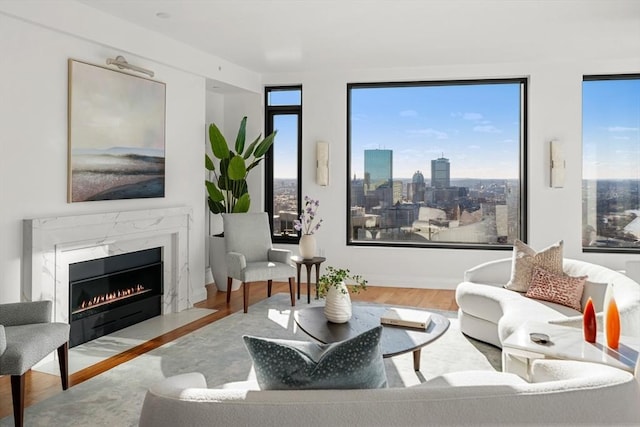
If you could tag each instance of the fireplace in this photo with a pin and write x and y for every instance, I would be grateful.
(52, 244)
(108, 294)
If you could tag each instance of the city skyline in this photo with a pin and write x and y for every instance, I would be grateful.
(478, 130)
(476, 126)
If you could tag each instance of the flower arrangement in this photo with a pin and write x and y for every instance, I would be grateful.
(335, 276)
(305, 223)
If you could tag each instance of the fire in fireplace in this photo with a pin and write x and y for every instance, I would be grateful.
(111, 293)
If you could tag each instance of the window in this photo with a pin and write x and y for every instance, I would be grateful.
(611, 163)
(282, 161)
(437, 164)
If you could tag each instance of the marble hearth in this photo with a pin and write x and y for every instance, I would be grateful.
(51, 244)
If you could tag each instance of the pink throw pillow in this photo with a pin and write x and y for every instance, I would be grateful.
(557, 288)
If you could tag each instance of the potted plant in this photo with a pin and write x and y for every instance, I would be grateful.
(334, 288)
(227, 191)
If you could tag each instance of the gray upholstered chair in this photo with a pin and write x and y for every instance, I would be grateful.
(27, 335)
(251, 256)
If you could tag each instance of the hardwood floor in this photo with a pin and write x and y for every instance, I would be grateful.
(40, 386)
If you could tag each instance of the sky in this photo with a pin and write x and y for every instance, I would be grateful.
(477, 127)
(611, 129)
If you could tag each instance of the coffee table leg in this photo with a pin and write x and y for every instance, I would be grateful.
(298, 268)
(416, 360)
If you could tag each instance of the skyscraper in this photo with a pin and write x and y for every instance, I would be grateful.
(378, 169)
(415, 190)
(440, 173)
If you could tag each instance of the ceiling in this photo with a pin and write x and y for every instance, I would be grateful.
(276, 36)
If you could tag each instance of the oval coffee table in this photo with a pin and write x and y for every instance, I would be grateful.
(395, 340)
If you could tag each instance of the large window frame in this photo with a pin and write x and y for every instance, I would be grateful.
(522, 166)
(605, 243)
(271, 111)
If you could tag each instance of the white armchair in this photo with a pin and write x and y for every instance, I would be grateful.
(251, 256)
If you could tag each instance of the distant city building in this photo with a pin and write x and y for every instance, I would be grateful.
(397, 192)
(440, 173)
(378, 169)
(416, 188)
(357, 192)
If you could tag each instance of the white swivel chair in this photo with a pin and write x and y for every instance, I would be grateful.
(251, 256)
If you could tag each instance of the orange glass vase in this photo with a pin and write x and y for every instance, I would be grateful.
(612, 324)
(589, 322)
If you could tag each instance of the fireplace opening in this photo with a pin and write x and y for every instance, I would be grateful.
(109, 294)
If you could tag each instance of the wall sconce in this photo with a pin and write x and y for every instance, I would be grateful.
(558, 163)
(322, 163)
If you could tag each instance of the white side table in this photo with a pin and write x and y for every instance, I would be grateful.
(565, 343)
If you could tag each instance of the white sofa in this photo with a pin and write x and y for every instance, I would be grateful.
(490, 313)
(561, 393)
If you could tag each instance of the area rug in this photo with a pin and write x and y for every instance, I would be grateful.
(115, 397)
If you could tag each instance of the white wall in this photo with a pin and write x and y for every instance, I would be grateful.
(554, 112)
(33, 159)
(37, 37)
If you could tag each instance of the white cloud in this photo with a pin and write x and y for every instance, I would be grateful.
(621, 129)
(408, 113)
(487, 129)
(433, 133)
(472, 116)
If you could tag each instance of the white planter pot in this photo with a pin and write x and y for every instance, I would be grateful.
(307, 246)
(337, 306)
(218, 264)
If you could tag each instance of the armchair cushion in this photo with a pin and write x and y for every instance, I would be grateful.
(24, 313)
(26, 345)
(236, 262)
(248, 234)
(280, 255)
(3, 340)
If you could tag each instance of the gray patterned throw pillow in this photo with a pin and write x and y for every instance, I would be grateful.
(288, 365)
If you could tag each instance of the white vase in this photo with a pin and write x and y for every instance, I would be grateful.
(307, 246)
(337, 307)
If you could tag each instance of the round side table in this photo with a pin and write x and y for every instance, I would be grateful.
(308, 263)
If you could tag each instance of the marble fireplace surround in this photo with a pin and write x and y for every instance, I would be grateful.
(51, 244)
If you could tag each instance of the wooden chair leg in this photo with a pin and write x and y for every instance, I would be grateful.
(292, 291)
(245, 295)
(63, 361)
(17, 393)
(229, 283)
(269, 286)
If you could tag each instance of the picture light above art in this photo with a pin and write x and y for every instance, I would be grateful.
(122, 63)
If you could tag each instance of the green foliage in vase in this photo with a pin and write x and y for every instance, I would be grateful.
(334, 276)
(228, 191)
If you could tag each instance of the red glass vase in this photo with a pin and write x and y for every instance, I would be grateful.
(589, 322)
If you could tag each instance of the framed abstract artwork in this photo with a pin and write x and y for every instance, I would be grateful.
(116, 134)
